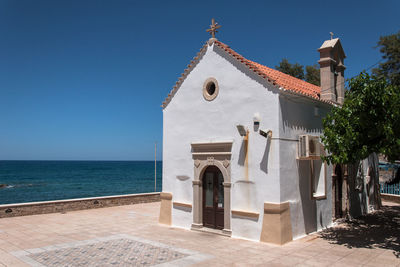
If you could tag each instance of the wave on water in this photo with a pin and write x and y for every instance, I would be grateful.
(28, 181)
(5, 186)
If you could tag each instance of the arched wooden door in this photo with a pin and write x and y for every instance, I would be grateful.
(213, 198)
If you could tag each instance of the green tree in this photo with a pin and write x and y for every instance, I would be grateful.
(390, 48)
(313, 75)
(368, 121)
(296, 70)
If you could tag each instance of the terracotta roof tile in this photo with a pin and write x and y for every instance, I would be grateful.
(277, 78)
(281, 79)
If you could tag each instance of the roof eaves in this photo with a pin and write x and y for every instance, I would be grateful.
(309, 97)
(185, 73)
(255, 69)
(249, 64)
(245, 62)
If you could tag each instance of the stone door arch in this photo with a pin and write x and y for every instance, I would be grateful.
(213, 198)
(216, 154)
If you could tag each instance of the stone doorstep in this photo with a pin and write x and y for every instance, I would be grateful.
(212, 231)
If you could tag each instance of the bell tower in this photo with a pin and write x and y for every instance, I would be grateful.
(332, 70)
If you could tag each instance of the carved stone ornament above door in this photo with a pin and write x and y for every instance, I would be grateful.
(226, 163)
(197, 163)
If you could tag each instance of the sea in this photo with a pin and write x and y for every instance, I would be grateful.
(30, 181)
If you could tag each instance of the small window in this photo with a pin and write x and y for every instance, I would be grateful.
(318, 176)
(210, 89)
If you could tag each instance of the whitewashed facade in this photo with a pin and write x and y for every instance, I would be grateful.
(269, 194)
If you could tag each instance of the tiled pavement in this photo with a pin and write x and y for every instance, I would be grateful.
(130, 235)
(115, 250)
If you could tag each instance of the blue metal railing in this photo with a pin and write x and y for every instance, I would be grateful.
(390, 188)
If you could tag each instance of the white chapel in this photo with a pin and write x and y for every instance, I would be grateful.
(241, 147)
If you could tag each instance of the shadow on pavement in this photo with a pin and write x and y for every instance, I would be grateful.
(378, 230)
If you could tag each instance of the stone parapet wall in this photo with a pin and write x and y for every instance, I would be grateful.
(22, 209)
(390, 198)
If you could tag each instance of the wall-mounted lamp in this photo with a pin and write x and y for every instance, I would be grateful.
(256, 119)
(266, 133)
(242, 130)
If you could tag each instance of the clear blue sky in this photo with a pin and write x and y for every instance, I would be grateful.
(85, 79)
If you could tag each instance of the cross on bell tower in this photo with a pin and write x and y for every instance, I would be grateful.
(213, 28)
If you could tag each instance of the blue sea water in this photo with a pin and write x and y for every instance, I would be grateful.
(28, 181)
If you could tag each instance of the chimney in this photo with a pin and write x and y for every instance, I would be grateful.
(332, 70)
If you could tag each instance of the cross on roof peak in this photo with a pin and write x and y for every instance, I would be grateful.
(213, 28)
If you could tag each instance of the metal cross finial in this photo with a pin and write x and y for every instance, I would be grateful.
(213, 28)
(331, 33)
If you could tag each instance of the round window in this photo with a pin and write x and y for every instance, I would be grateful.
(210, 89)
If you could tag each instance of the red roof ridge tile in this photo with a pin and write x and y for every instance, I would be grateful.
(284, 81)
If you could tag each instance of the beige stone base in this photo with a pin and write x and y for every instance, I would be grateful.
(165, 208)
(277, 226)
(390, 198)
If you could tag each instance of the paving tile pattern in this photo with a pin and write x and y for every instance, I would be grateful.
(372, 241)
(118, 252)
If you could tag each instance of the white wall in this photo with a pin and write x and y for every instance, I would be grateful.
(274, 173)
(190, 118)
(307, 214)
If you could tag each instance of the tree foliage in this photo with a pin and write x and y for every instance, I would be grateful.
(296, 70)
(368, 121)
(313, 75)
(390, 48)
